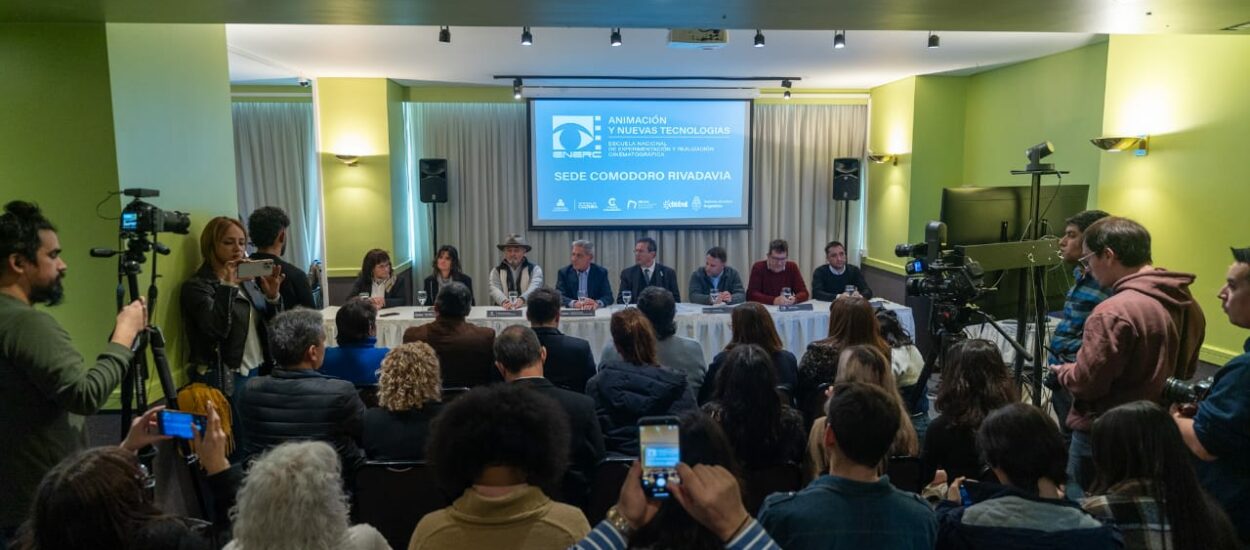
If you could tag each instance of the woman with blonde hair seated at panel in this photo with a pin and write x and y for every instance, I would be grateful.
(852, 322)
(409, 394)
(865, 364)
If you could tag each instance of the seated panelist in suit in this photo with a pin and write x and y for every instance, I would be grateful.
(582, 277)
(569, 363)
(716, 283)
(647, 272)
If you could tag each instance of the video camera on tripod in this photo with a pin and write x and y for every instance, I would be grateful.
(945, 276)
(140, 217)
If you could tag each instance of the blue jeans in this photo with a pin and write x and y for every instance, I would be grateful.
(237, 421)
(1080, 465)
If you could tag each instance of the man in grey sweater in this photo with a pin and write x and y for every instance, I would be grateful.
(716, 283)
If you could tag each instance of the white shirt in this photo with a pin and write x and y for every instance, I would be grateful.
(253, 355)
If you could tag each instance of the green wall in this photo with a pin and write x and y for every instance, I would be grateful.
(400, 192)
(57, 149)
(1189, 94)
(938, 148)
(171, 108)
(892, 116)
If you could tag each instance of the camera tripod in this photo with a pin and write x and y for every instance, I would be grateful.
(946, 327)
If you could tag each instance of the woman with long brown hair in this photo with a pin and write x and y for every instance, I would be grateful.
(975, 381)
(634, 386)
(751, 324)
(852, 322)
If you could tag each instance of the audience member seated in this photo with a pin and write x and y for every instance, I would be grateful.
(270, 229)
(975, 381)
(865, 365)
(1145, 483)
(907, 364)
(684, 355)
(447, 270)
(464, 349)
(833, 279)
(646, 273)
(1028, 510)
(409, 391)
(377, 281)
(853, 506)
(293, 499)
(514, 274)
(635, 385)
(715, 283)
(770, 277)
(500, 448)
(763, 431)
(519, 357)
(99, 498)
(357, 358)
(295, 401)
(584, 284)
(852, 322)
(752, 324)
(569, 363)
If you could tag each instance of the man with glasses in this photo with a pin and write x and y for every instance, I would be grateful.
(1150, 329)
(776, 280)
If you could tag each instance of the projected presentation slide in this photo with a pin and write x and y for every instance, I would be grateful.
(641, 163)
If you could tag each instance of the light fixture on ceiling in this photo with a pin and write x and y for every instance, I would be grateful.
(444, 34)
(516, 88)
(786, 84)
(616, 36)
(350, 160)
(883, 159)
(935, 41)
(839, 40)
(527, 38)
(1139, 144)
(759, 38)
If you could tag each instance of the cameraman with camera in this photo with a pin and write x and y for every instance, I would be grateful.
(45, 389)
(1219, 434)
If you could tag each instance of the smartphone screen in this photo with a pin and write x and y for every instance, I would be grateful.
(178, 424)
(660, 446)
(256, 268)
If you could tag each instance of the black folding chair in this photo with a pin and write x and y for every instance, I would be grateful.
(393, 496)
(605, 488)
(450, 393)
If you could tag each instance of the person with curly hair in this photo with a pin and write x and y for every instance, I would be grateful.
(409, 394)
(975, 381)
(503, 448)
(293, 499)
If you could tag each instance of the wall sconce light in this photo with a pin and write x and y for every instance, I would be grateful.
(350, 160)
(892, 160)
(1139, 145)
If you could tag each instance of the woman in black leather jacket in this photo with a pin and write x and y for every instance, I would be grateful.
(377, 282)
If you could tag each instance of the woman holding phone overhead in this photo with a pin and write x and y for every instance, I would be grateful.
(377, 281)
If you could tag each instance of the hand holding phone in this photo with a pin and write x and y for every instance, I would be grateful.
(179, 424)
(660, 446)
(251, 269)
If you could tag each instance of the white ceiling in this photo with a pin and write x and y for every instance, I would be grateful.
(412, 54)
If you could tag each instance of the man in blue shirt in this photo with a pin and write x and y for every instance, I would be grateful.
(583, 284)
(1219, 434)
(1082, 297)
(357, 357)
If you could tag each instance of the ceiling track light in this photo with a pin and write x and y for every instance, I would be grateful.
(616, 36)
(935, 41)
(759, 38)
(444, 34)
(516, 88)
(527, 38)
(839, 40)
(786, 84)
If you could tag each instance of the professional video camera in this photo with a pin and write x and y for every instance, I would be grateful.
(945, 276)
(140, 217)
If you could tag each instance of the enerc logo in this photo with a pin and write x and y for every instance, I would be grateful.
(575, 137)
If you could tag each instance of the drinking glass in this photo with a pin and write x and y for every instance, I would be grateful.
(421, 295)
(787, 293)
(850, 289)
(627, 296)
(581, 298)
(512, 298)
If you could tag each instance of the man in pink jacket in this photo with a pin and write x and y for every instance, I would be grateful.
(1151, 328)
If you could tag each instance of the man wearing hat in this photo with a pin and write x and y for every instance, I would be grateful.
(514, 274)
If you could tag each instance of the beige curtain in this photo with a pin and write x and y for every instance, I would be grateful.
(485, 147)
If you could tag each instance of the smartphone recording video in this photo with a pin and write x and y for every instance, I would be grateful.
(257, 268)
(179, 424)
(660, 446)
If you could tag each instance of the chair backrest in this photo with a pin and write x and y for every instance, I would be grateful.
(605, 488)
(905, 473)
(393, 496)
(761, 482)
(450, 393)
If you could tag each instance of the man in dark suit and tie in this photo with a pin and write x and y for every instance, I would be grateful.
(519, 358)
(569, 363)
(647, 272)
(583, 278)
(464, 350)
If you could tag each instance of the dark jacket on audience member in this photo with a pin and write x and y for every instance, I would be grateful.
(295, 290)
(952, 448)
(684, 355)
(786, 366)
(431, 286)
(569, 361)
(398, 435)
(838, 513)
(624, 392)
(730, 281)
(1005, 517)
(598, 287)
(465, 351)
(356, 362)
(1222, 425)
(302, 405)
(632, 279)
(399, 295)
(217, 318)
(585, 437)
(826, 286)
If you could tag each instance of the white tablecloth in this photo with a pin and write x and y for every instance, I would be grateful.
(796, 328)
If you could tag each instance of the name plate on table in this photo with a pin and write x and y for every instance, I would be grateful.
(423, 314)
(503, 313)
(577, 313)
(796, 307)
(718, 309)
